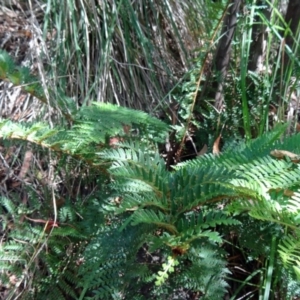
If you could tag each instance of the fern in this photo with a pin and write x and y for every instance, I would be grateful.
(89, 128)
(148, 218)
(290, 250)
(87, 134)
(18, 255)
(182, 205)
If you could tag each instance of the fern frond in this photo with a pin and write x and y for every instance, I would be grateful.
(35, 133)
(293, 203)
(86, 135)
(8, 205)
(210, 269)
(247, 153)
(140, 167)
(289, 250)
(107, 118)
(151, 217)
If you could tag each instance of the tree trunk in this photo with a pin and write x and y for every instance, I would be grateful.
(292, 19)
(259, 41)
(223, 51)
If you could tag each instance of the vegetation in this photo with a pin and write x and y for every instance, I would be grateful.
(149, 150)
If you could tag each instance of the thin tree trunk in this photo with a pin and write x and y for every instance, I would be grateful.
(223, 51)
(259, 41)
(292, 18)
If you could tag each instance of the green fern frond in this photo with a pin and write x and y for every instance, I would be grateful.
(168, 267)
(151, 217)
(207, 272)
(206, 220)
(85, 136)
(66, 214)
(8, 205)
(131, 200)
(35, 133)
(101, 272)
(107, 118)
(289, 251)
(293, 203)
(266, 210)
(141, 167)
(246, 153)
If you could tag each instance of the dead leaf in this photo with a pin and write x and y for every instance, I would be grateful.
(202, 151)
(280, 154)
(216, 147)
(286, 192)
(26, 164)
(13, 279)
(126, 129)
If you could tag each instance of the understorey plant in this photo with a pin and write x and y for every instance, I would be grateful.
(166, 226)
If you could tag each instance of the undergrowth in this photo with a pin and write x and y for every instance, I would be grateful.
(90, 211)
(145, 230)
